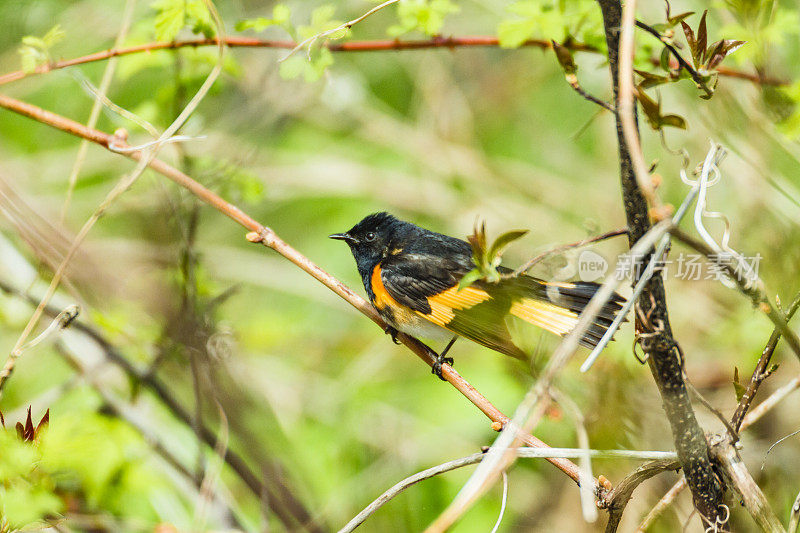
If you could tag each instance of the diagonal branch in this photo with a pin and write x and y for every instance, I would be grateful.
(762, 369)
(267, 237)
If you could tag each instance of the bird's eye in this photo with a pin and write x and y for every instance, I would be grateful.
(369, 237)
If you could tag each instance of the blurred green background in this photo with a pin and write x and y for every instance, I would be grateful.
(303, 387)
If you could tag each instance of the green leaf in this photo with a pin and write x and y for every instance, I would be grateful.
(664, 59)
(719, 50)
(292, 67)
(35, 51)
(469, 278)
(426, 16)
(171, 18)
(174, 15)
(689, 33)
(280, 17)
(564, 57)
(501, 243)
(652, 111)
(513, 33)
(739, 389)
(29, 57)
(699, 50)
(672, 21)
(200, 17)
(675, 121)
(650, 80)
(311, 70)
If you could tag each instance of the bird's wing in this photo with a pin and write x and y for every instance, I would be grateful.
(428, 284)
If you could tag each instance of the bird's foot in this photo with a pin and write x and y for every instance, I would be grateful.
(436, 368)
(389, 330)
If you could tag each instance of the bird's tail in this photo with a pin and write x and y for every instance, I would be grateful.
(555, 306)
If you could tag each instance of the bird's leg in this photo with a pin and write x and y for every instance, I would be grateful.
(389, 330)
(442, 359)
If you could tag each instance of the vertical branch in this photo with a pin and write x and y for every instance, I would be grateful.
(665, 364)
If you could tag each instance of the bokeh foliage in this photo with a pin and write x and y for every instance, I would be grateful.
(310, 145)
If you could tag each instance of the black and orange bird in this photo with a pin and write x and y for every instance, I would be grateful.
(411, 276)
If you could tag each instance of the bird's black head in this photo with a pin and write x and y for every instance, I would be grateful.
(372, 239)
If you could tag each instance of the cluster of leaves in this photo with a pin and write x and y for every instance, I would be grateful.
(35, 51)
(557, 20)
(705, 59)
(25, 492)
(87, 462)
(487, 257)
(174, 15)
(426, 16)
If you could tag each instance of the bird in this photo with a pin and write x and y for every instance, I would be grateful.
(411, 276)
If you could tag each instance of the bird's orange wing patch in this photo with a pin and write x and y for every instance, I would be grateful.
(444, 304)
(382, 296)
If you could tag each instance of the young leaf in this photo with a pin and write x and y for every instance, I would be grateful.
(501, 243)
(678, 18)
(689, 33)
(564, 57)
(280, 17)
(664, 59)
(702, 37)
(676, 121)
(171, 18)
(719, 50)
(739, 389)
(649, 79)
(469, 278)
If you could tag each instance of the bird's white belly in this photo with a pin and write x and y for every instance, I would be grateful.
(419, 327)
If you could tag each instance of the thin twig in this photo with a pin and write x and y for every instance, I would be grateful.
(341, 28)
(502, 504)
(97, 106)
(588, 506)
(618, 499)
(662, 504)
(762, 368)
(563, 248)
(475, 458)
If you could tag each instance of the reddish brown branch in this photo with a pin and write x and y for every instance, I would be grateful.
(351, 46)
(263, 234)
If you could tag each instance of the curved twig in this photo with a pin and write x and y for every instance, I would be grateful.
(383, 499)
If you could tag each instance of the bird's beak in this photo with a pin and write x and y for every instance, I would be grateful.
(342, 237)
